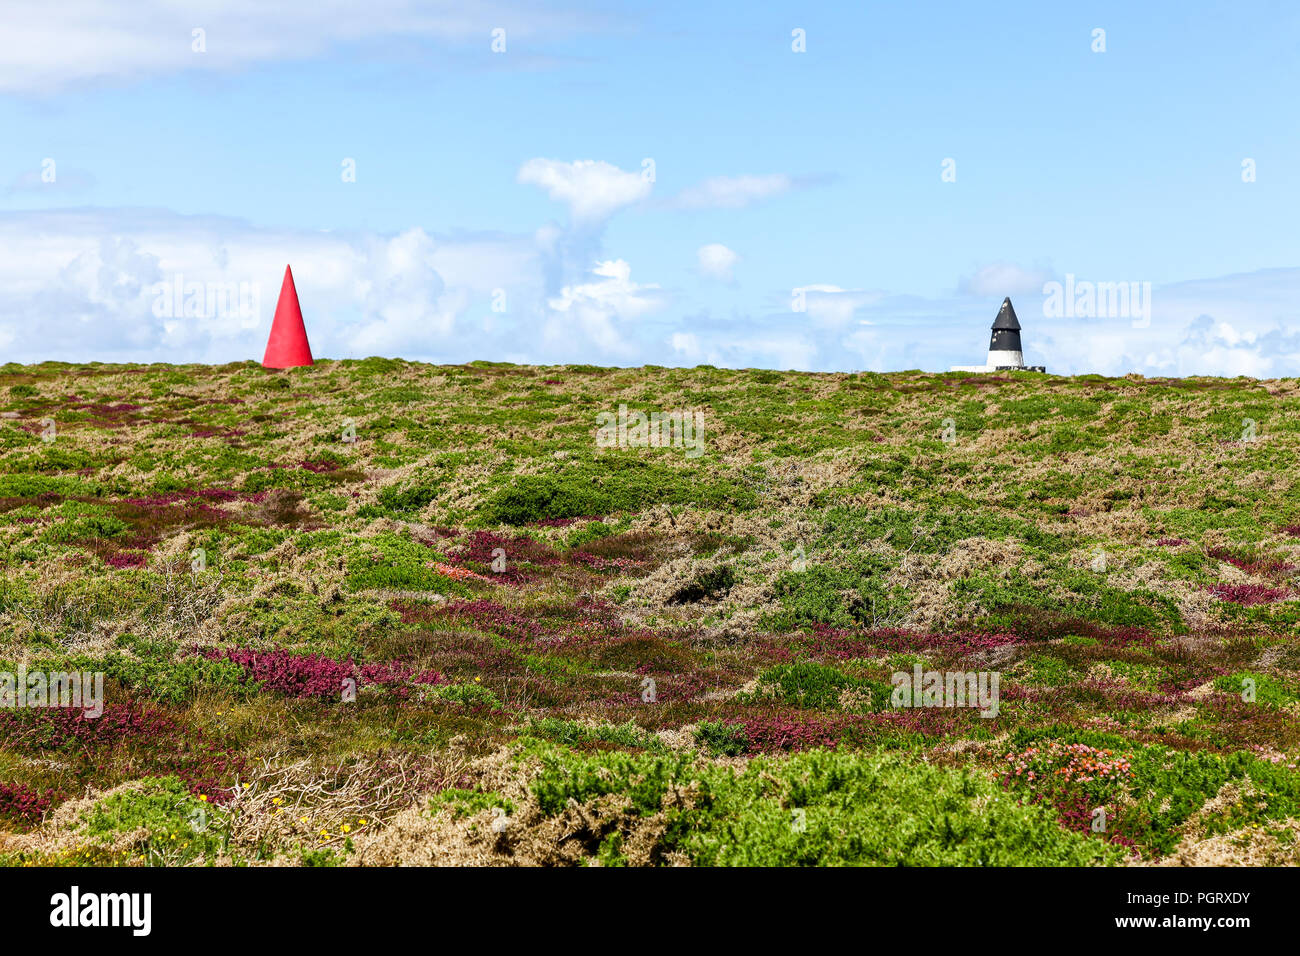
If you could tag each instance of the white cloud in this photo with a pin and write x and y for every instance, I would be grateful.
(81, 285)
(783, 351)
(43, 50)
(831, 306)
(1001, 279)
(601, 308)
(592, 189)
(1245, 324)
(716, 261)
(1234, 325)
(732, 192)
(686, 345)
(405, 302)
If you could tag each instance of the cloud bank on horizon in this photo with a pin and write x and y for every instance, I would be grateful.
(544, 242)
(115, 286)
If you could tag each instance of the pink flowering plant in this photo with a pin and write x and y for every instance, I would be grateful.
(1083, 783)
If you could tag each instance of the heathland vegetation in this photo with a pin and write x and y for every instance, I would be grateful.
(378, 612)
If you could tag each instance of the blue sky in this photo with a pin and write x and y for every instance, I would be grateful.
(774, 171)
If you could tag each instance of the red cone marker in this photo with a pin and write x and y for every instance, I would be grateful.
(287, 347)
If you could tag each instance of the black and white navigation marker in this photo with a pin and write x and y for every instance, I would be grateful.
(1005, 353)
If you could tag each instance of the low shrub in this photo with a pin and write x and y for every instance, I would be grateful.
(572, 733)
(721, 739)
(1258, 688)
(613, 485)
(820, 687)
(819, 808)
(178, 828)
(712, 584)
(406, 501)
(854, 595)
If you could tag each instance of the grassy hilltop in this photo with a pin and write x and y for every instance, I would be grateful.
(568, 653)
